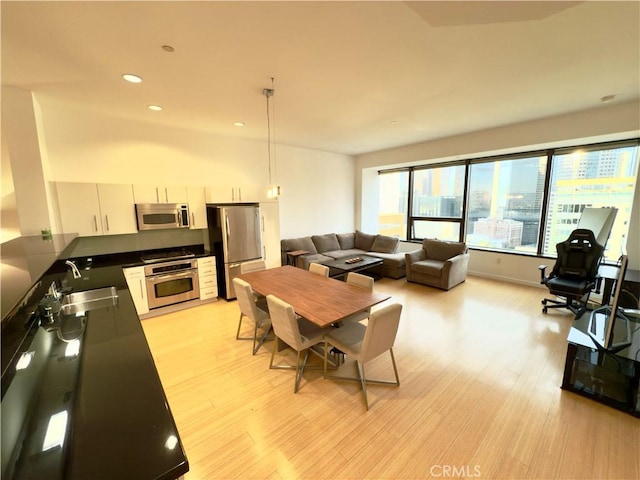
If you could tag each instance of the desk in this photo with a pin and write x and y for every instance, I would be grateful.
(631, 285)
(609, 378)
(320, 300)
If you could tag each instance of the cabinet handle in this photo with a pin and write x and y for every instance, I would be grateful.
(166, 195)
(233, 194)
(239, 194)
(141, 290)
(157, 195)
(193, 219)
(95, 223)
(106, 221)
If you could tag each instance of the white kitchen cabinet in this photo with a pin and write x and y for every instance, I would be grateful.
(270, 212)
(160, 194)
(197, 206)
(138, 288)
(207, 278)
(96, 209)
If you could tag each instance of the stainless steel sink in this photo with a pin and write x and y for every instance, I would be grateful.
(89, 300)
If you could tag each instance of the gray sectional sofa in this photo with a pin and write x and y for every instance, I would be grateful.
(330, 246)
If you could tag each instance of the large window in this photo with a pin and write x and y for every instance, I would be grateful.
(392, 208)
(522, 203)
(437, 202)
(591, 178)
(505, 203)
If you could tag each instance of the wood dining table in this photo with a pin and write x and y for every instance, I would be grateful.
(319, 299)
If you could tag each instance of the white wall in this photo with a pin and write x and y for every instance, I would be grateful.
(600, 124)
(318, 187)
(22, 145)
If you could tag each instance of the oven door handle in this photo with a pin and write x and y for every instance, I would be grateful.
(190, 273)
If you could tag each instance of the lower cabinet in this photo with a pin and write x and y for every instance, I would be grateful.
(138, 288)
(207, 278)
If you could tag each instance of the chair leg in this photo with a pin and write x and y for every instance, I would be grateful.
(258, 343)
(300, 370)
(239, 326)
(363, 383)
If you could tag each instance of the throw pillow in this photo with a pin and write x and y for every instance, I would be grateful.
(385, 244)
(293, 244)
(347, 240)
(326, 243)
(364, 241)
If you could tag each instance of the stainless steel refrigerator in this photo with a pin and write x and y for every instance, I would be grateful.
(235, 237)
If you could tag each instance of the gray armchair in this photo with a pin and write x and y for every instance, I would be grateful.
(438, 264)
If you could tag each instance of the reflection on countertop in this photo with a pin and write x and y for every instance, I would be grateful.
(24, 261)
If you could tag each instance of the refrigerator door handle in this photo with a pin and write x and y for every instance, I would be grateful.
(226, 232)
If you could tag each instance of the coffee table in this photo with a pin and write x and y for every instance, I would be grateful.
(355, 263)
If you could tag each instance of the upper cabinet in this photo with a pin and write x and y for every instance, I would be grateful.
(160, 194)
(240, 193)
(197, 206)
(96, 209)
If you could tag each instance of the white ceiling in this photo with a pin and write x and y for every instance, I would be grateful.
(350, 77)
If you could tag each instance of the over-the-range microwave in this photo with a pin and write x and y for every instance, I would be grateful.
(156, 216)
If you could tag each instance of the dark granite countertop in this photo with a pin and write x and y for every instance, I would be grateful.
(92, 375)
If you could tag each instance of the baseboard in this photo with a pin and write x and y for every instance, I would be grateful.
(507, 279)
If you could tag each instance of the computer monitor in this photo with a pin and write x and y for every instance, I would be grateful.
(608, 327)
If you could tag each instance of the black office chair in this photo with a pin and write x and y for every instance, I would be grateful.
(575, 273)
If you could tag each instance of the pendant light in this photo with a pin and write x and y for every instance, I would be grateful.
(274, 190)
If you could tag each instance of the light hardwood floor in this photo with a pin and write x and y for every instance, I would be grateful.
(480, 369)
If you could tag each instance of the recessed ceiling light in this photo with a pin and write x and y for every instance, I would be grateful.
(607, 98)
(393, 122)
(239, 124)
(168, 48)
(155, 108)
(129, 77)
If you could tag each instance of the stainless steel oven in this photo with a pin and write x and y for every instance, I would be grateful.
(172, 282)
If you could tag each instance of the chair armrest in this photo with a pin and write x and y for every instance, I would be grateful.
(542, 269)
(458, 262)
(415, 256)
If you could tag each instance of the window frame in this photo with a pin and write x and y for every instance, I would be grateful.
(550, 154)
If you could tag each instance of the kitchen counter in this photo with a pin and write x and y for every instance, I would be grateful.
(92, 375)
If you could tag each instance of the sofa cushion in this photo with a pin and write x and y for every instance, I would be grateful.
(347, 240)
(344, 253)
(293, 244)
(385, 244)
(364, 241)
(326, 243)
(441, 250)
(303, 261)
(428, 267)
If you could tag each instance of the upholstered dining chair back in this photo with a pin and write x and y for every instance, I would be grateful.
(360, 280)
(285, 322)
(319, 269)
(252, 266)
(246, 300)
(249, 309)
(381, 332)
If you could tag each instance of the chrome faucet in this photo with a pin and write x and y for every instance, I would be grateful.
(74, 269)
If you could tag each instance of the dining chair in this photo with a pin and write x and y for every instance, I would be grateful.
(295, 331)
(364, 343)
(362, 281)
(256, 266)
(249, 309)
(319, 269)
